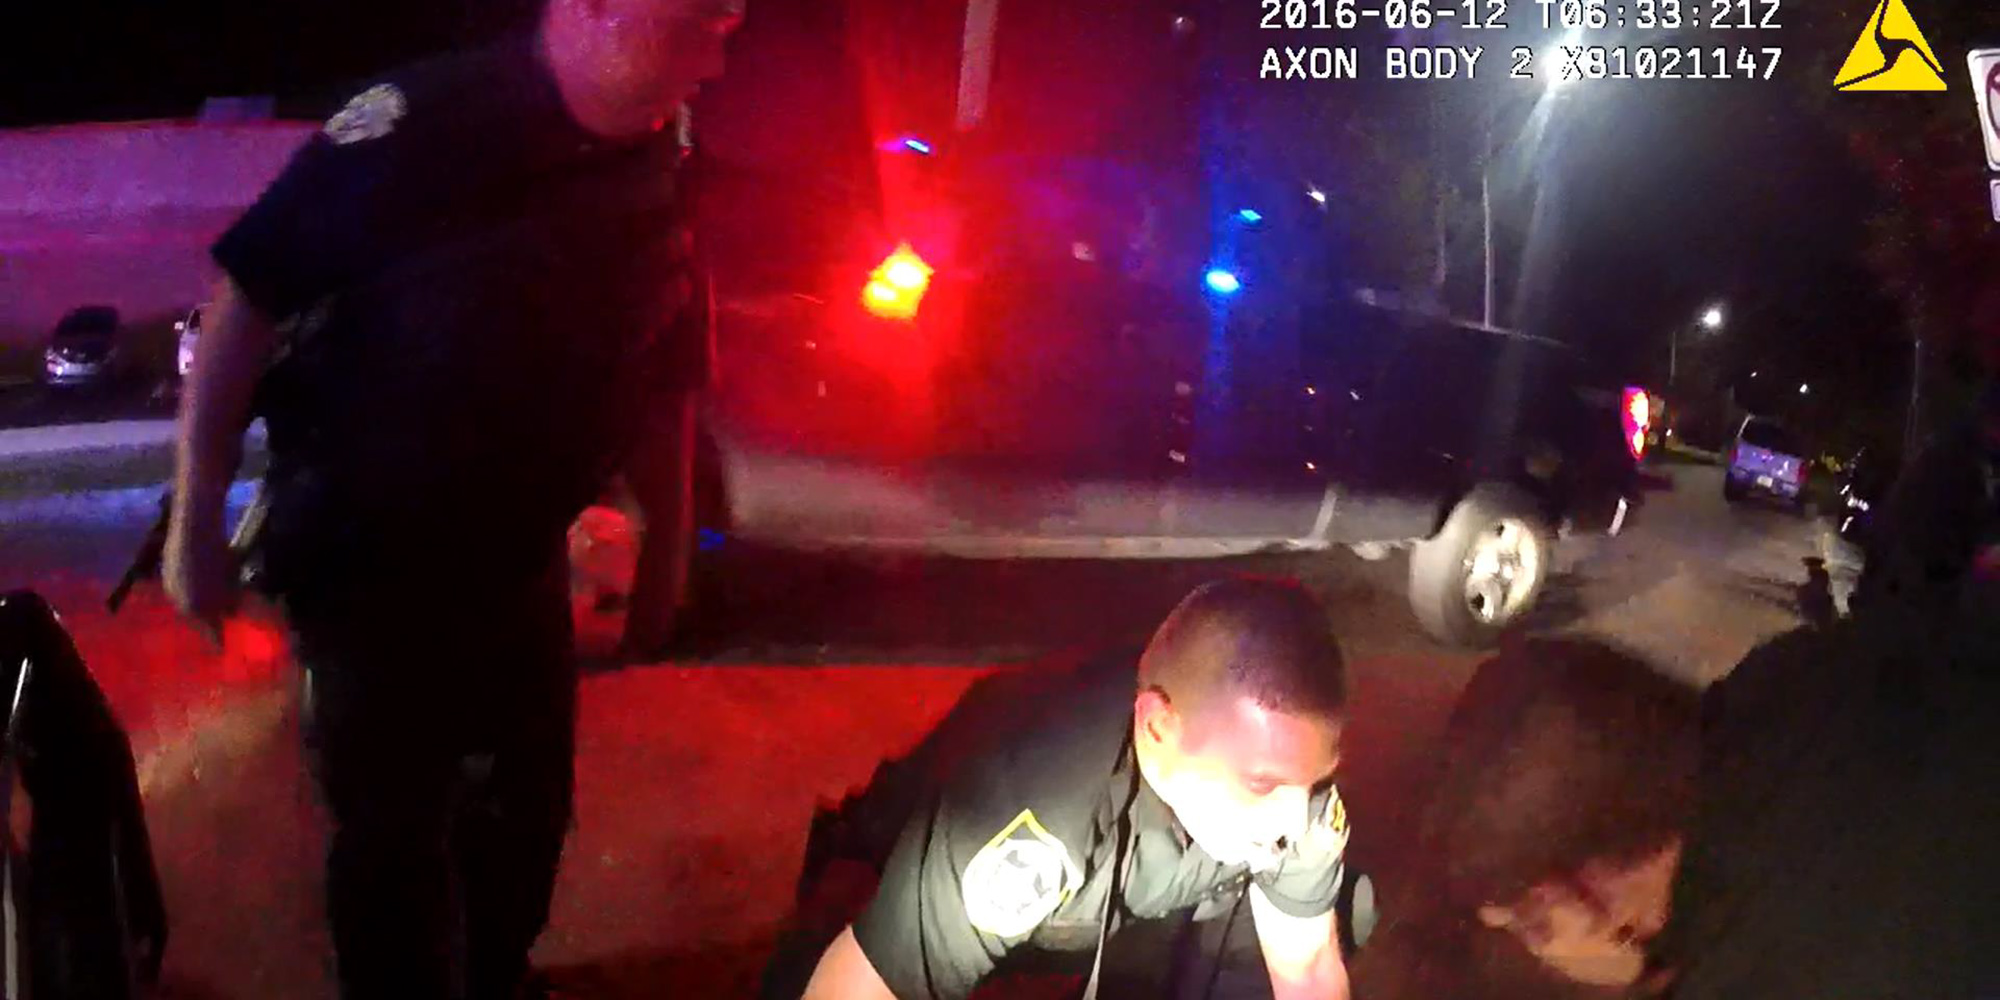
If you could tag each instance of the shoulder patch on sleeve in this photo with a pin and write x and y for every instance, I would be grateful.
(1329, 830)
(1019, 878)
(372, 114)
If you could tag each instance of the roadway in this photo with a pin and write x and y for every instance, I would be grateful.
(696, 780)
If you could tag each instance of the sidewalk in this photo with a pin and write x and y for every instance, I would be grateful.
(71, 458)
(1674, 446)
(63, 439)
(108, 436)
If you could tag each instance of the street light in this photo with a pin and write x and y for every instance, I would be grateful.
(1711, 319)
(1550, 85)
(1554, 58)
(1804, 388)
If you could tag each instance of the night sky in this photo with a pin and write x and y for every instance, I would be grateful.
(124, 59)
(1656, 198)
(1625, 208)
(1678, 197)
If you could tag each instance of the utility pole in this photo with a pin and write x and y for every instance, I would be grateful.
(1910, 421)
(1486, 208)
(1486, 214)
(975, 64)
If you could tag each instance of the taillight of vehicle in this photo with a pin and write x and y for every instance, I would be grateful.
(896, 287)
(1636, 419)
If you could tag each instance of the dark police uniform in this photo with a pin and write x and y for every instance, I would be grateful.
(477, 300)
(1043, 837)
(1842, 842)
(1940, 515)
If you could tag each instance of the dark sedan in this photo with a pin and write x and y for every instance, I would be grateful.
(83, 349)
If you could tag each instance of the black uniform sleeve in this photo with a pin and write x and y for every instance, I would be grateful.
(916, 931)
(1308, 881)
(688, 362)
(310, 232)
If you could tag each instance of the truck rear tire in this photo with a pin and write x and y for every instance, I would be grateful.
(1484, 570)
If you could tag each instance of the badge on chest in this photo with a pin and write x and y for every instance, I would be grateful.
(1019, 878)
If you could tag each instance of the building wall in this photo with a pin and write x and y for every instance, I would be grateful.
(120, 214)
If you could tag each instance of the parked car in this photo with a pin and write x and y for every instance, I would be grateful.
(81, 910)
(1766, 459)
(83, 349)
(187, 333)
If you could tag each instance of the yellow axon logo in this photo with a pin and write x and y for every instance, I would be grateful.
(1891, 54)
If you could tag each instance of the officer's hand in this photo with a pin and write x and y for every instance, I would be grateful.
(197, 571)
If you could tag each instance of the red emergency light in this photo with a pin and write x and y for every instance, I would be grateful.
(1636, 418)
(896, 287)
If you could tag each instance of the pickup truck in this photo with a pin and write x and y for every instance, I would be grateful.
(1000, 346)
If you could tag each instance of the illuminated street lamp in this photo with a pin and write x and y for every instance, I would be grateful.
(1551, 84)
(1804, 388)
(1557, 78)
(1710, 320)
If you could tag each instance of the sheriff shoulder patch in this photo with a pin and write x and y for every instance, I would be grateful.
(1329, 831)
(1018, 879)
(372, 114)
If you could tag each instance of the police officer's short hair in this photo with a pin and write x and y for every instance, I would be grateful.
(1268, 639)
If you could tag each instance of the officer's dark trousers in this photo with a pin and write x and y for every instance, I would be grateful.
(1182, 958)
(442, 731)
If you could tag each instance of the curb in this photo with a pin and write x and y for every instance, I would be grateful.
(63, 458)
(18, 443)
(1687, 451)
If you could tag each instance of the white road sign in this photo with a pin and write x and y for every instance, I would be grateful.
(1986, 86)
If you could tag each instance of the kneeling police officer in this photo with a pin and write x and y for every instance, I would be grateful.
(1192, 788)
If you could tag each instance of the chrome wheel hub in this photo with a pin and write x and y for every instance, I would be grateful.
(1503, 568)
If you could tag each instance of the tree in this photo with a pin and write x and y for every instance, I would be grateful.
(1933, 244)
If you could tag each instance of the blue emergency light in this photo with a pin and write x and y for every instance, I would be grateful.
(1250, 215)
(1222, 282)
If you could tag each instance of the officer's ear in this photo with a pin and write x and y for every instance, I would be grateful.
(1156, 720)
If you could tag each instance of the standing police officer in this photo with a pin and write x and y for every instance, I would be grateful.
(1199, 787)
(465, 289)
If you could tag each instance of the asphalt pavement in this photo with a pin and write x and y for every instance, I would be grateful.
(696, 780)
(27, 403)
